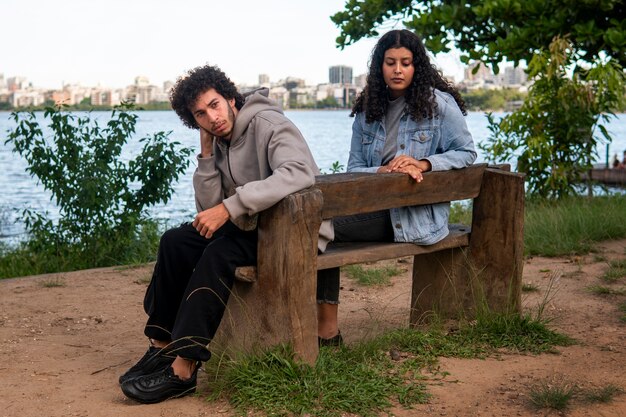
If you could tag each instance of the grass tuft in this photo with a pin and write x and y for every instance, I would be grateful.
(53, 282)
(514, 332)
(577, 221)
(41, 257)
(371, 276)
(616, 271)
(364, 378)
(604, 394)
(602, 290)
(555, 395)
(529, 287)
(622, 309)
(342, 381)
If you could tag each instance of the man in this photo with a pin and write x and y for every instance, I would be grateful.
(251, 157)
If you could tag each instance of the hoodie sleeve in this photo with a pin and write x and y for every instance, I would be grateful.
(290, 161)
(207, 184)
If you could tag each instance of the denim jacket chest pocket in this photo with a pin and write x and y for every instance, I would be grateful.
(421, 143)
(373, 141)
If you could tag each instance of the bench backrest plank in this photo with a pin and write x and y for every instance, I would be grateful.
(352, 193)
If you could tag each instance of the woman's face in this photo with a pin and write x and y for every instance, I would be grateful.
(398, 70)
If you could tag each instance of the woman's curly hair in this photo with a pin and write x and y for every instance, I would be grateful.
(197, 81)
(419, 96)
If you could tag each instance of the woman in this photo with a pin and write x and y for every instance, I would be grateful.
(409, 119)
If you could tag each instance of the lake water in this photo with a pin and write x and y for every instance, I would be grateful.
(327, 132)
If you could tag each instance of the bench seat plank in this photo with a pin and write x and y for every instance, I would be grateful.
(349, 253)
(340, 254)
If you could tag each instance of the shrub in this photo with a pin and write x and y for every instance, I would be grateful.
(100, 197)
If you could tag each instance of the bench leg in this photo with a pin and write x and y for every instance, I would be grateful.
(487, 275)
(439, 285)
(280, 306)
(497, 240)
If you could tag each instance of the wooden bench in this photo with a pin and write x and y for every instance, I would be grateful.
(475, 265)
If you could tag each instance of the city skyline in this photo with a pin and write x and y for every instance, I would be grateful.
(109, 43)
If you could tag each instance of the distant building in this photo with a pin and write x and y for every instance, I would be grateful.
(482, 73)
(514, 76)
(483, 78)
(167, 86)
(292, 82)
(142, 92)
(17, 83)
(59, 97)
(105, 97)
(323, 91)
(301, 97)
(340, 74)
(360, 81)
(479, 76)
(142, 81)
(345, 95)
(25, 98)
(281, 95)
(264, 79)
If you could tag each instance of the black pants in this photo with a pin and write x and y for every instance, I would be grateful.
(366, 227)
(191, 283)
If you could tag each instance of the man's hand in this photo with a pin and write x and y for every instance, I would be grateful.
(206, 143)
(208, 221)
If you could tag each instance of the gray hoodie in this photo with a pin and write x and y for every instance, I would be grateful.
(266, 160)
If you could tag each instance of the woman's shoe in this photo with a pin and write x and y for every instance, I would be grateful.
(333, 341)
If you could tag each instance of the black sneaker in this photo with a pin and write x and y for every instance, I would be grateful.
(159, 386)
(332, 341)
(153, 360)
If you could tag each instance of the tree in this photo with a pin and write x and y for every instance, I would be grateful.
(329, 102)
(491, 31)
(576, 50)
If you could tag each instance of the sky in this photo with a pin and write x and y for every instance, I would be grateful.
(108, 43)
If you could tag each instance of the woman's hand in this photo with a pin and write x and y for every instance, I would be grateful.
(412, 171)
(404, 161)
(407, 165)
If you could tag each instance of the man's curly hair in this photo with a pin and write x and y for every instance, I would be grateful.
(197, 81)
(419, 96)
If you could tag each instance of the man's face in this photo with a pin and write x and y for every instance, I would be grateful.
(215, 114)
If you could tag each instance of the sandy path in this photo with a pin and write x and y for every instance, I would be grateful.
(65, 346)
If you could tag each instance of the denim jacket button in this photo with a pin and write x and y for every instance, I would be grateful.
(402, 146)
(398, 225)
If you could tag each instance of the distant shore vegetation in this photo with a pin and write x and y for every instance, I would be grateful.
(476, 100)
(479, 100)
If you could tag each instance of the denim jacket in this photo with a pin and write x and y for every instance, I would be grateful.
(443, 140)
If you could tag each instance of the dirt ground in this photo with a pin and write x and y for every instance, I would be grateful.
(65, 338)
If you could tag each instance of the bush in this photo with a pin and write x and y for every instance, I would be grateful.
(101, 199)
(554, 134)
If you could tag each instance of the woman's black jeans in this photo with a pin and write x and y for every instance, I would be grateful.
(366, 227)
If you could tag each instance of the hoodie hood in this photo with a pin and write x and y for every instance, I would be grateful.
(255, 101)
